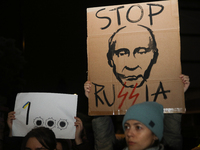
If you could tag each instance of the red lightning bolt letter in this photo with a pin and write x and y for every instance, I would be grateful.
(125, 95)
(136, 95)
(119, 95)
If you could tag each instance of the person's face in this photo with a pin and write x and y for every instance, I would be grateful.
(34, 144)
(132, 58)
(138, 136)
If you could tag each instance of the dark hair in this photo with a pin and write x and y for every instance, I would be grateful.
(65, 143)
(44, 135)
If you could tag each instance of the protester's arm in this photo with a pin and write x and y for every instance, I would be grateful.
(103, 127)
(186, 81)
(87, 88)
(11, 117)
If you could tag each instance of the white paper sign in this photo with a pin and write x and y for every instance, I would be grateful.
(55, 111)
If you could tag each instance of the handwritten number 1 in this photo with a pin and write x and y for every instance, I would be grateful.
(27, 115)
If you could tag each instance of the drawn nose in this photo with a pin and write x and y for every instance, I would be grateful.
(131, 63)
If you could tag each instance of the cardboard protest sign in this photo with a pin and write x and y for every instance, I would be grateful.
(55, 111)
(134, 56)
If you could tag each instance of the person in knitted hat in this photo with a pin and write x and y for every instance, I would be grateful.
(143, 126)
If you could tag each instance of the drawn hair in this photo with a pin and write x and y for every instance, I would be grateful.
(44, 135)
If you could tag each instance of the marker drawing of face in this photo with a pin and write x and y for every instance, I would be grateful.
(133, 56)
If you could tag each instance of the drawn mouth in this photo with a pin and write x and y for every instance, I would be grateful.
(131, 78)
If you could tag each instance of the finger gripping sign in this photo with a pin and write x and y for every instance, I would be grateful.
(134, 56)
(52, 110)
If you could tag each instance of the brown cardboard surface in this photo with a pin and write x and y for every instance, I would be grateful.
(129, 41)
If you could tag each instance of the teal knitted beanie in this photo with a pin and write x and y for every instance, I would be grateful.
(148, 113)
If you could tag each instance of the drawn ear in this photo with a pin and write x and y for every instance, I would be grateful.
(111, 63)
(155, 57)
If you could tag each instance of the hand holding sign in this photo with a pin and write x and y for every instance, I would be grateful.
(79, 129)
(11, 117)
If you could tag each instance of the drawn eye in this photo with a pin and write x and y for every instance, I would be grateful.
(50, 123)
(62, 124)
(122, 52)
(142, 51)
(38, 122)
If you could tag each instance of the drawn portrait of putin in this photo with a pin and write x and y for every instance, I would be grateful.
(133, 56)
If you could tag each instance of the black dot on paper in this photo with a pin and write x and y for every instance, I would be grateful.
(38, 122)
(50, 123)
(62, 124)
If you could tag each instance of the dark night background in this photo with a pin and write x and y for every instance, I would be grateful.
(55, 34)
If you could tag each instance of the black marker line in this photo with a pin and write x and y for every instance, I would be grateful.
(27, 115)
